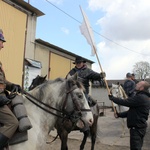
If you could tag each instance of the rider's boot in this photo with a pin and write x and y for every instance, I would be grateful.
(91, 101)
(3, 141)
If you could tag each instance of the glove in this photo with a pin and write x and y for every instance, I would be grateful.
(102, 74)
(102, 83)
(111, 97)
(16, 88)
(4, 100)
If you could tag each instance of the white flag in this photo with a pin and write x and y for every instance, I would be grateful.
(86, 30)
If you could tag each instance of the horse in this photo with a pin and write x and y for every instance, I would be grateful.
(66, 97)
(118, 91)
(37, 81)
(64, 128)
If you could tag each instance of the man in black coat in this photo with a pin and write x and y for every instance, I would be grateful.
(86, 74)
(137, 115)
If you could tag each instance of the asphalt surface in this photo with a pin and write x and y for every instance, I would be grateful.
(110, 132)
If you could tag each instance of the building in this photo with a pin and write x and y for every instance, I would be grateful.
(18, 20)
(19, 30)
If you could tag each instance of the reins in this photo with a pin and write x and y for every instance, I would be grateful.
(30, 97)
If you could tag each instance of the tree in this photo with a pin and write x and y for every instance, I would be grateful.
(142, 70)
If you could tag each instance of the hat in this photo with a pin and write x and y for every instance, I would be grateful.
(79, 59)
(128, 75)
(1, 36)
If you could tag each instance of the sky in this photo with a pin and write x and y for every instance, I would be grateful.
(121, 31)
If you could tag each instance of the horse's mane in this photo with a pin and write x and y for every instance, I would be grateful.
(40, 91)
(123, 92)
(80, 85)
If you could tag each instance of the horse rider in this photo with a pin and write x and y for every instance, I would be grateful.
(137, 115)
(8, 121)
(85, 75)
(129, 85)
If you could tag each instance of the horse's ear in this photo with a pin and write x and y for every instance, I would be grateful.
(73, 77)
(68, 76)
(71, 80)
(45, 76)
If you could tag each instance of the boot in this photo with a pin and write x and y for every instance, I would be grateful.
(91, 101)
(3, 141)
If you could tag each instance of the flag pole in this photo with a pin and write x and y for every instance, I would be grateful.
(95, 51)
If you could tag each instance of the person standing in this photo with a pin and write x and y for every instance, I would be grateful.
(133, 78)
(85, 75)
(137, 115)
(129, 85)
(8, 121)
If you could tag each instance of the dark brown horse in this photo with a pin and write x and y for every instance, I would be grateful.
(64, 127)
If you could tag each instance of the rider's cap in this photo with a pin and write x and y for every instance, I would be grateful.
(79, 59)
(128, 75)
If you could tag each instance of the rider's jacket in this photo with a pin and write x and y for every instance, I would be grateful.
(85, 75)
(4, 84)
(129, 87)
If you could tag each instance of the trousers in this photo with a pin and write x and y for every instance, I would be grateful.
(137, 138)
(9, 122)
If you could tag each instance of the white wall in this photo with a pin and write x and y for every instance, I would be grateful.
(101, 95)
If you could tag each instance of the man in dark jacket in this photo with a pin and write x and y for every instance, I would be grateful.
(85, 74)
(137, 115)
(8, 121)
(133, 78)
(129, 85)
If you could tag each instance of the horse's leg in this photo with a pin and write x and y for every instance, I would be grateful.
(64, 137)
(122, 122)
(93, 131)
(86, 133)
(123, 128)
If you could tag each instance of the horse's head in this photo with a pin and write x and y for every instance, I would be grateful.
(118, 91)
(76, 102)
(37, 81)
(68, 96)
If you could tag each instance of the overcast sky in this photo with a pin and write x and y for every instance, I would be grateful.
(121, 31)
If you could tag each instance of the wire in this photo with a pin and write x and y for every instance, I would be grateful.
(96, 31)
(64, 12)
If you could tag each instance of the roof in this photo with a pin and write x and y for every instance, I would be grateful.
(59, 49)
(26, 6)
(33, 63)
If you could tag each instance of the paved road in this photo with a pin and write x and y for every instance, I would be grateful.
(110, 130)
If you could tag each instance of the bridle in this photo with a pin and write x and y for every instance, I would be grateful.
(76, 114)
